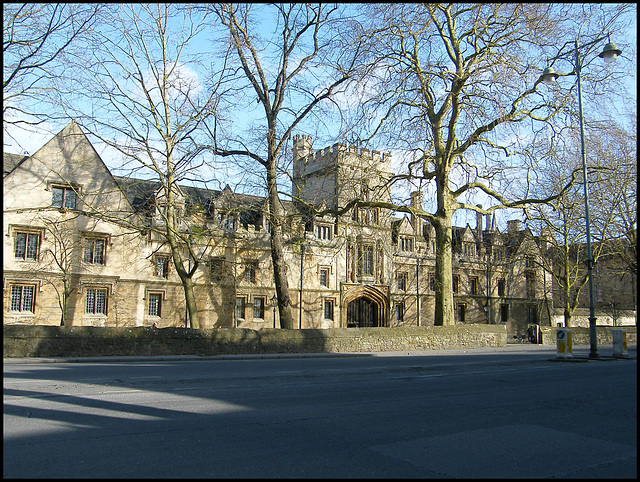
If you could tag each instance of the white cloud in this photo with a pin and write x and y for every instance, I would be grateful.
(24, 138)
(183, 83)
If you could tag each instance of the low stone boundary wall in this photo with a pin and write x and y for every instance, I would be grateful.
(56, 341)
(580, 335)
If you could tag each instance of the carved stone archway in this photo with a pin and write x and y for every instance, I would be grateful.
(364, 306)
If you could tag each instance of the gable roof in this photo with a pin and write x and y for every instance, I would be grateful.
(11, 161)
(515, 241)
(70, 158)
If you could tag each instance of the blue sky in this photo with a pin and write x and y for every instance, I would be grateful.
(29, 140)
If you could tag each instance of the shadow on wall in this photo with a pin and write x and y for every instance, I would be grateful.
(55, 341)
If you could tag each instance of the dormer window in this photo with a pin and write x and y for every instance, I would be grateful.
(63, 197)
(161, 209)
(369, 216)
(162, 266)
(209, 207)
(323, 232)
(227, 221)
(406, 243)
(469, 250)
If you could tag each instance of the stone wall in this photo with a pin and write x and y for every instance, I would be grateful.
(55, 341)
(580, 336)
(624, 318)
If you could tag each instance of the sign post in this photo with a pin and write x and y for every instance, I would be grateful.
(565, 343)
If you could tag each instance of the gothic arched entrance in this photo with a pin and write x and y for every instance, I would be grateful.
(361, 312)
(364, 306)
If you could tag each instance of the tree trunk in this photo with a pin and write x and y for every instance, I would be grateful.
(277, 252)
(192, 308)
(568, 311)
(280, 279)
(185, 277)
(445, 314)
(64, 302)
(187, 285)
(567, 317)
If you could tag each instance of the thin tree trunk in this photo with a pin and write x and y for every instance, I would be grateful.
(185, 277)
(277, 252)
(567, 316)
(192, 308)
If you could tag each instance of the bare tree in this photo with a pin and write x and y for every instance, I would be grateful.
(58, 256)
(289, 73)
(147, 104)
(562, 223)
(616, 190)
(457, 85)
(612, 202)
(35, 41)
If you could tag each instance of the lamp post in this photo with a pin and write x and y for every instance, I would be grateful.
(274, 303)
(549, 76)
(418, 259)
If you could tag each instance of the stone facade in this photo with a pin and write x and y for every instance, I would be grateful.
(64, 224)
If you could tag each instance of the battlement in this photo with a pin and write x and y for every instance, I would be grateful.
(302, 140)
(302, 146)
(322, 155)
(319, 175)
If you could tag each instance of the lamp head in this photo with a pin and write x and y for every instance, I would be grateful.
(549, 76)
(610, 53)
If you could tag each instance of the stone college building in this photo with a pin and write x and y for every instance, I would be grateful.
(363, 268)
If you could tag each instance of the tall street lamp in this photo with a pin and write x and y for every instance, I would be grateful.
(549, 76)
(274, 303)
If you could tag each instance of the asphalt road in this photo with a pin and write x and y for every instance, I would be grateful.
(493, 413)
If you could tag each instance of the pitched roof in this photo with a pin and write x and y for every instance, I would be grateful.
(11, 161)
(141, 195)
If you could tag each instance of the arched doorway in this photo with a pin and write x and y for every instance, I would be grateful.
(362, 312)
(364, 306)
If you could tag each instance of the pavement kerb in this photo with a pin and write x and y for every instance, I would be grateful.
(510, 348)
(258, 356)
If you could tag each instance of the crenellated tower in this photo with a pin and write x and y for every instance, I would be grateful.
(337, 174)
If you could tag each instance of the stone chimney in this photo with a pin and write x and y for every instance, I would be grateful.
(302, 147)
(416, 203)
(487, 220)
(513, 226)
(479, 222)
(546, 237)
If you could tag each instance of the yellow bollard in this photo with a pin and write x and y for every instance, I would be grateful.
(620, 344)
(564, 343)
